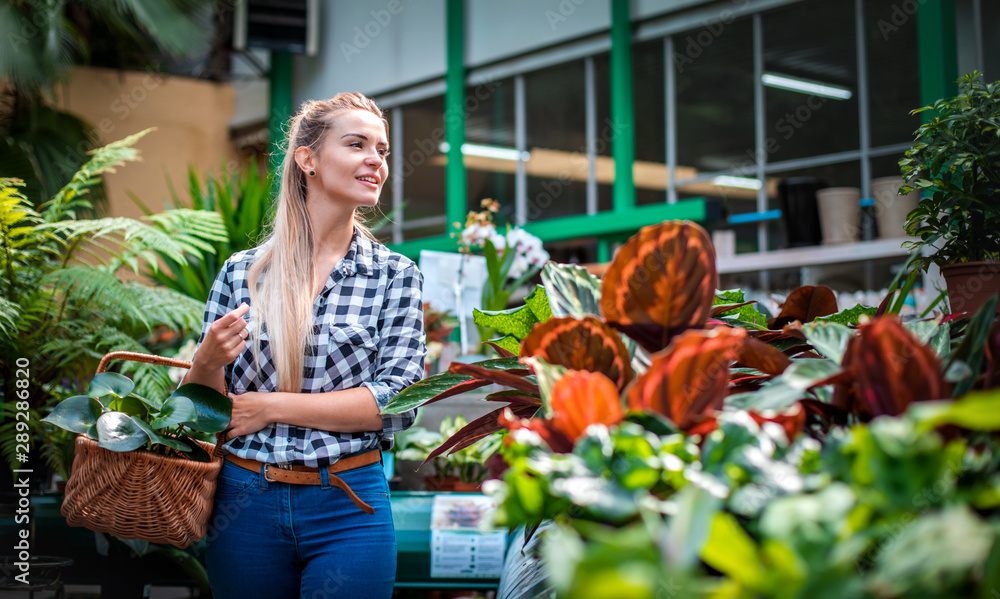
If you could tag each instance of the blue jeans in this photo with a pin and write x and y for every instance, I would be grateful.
(276, 540)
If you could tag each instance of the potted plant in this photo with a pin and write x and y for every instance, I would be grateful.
(512, 259)
(462, 471)
(143, 469)
(955, 163)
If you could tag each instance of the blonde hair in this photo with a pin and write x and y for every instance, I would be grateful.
(281, 278)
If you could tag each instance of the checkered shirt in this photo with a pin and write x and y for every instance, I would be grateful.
(368, 330)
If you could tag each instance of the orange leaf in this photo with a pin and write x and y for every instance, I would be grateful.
(805, 304)
(587, 344)
(890, 369)
(687, 382)
(663, 276)
(580, 398)
(763, 357)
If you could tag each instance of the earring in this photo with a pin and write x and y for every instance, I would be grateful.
(312, 173)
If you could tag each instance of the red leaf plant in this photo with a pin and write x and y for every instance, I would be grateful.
(578, 399)
(661, 282)
(687, 382)
(888, 369)
(585, 344)
(805, 304)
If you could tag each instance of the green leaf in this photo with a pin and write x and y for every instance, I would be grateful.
(849, 317)
(978, 411)
(791, 386)
(75, 414)
(547, 375)
(423, 391)
(156, 437)
(571, 290)
(509, 343)
(515, 321)
(747, 317)
(730, 550)
(176, 410)
(829, 338)
(690, 528)
(107, 383)
(214, 409)
(119, 432)
(538, 302)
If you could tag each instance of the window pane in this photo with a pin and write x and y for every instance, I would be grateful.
(605, 133)
(893, 74)
(810, 68)
(649, 84)
(490, 122)
(423, 166)
(991, 39)
(715, 99)
(556, 138)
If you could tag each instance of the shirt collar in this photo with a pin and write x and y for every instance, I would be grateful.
(360, 257)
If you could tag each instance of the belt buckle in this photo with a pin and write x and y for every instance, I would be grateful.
(285, 466)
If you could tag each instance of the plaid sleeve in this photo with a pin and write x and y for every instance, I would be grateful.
(401, 355)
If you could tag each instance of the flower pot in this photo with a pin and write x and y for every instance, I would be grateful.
(970, 284)
(797, 199)
(839, 208)
(891, 209)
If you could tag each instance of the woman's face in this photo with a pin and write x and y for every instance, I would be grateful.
(351, 164)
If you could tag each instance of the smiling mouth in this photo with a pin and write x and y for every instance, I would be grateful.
(369, 180)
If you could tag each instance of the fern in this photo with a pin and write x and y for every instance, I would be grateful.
(64, 313)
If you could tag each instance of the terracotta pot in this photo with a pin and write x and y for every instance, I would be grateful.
(454, 485)
(970, 284)
(839, 208)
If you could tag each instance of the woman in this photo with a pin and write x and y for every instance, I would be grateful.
(311, 334)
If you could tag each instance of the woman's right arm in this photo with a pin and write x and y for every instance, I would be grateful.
(221, 343)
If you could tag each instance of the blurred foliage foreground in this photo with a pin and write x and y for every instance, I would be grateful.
(663, 439)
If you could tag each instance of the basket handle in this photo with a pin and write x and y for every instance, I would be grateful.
(159, 361)
(138, 357)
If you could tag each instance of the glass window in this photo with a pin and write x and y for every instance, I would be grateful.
(556, 138)
(810, 78)
(991, 39)
(649, 92)
(490, 126)
(605, 165)
(715, 99)
(423, 167)
(893, 74)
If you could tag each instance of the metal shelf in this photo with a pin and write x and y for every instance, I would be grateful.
(814, 256)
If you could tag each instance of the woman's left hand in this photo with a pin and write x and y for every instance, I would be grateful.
(250, 413)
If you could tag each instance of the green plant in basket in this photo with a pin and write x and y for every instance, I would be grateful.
(119, 420)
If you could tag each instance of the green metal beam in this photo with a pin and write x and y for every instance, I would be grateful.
(454, 114)
(601, 225)
(622, 109)
(938, 51)
(280, 84)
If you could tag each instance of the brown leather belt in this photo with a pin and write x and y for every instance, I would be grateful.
(308, 475)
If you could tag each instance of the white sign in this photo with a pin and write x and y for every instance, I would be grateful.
(460, 546)
(454, 282)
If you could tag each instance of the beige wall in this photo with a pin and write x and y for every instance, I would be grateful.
(191, 119)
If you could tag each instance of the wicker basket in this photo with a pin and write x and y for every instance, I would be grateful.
(138, 494)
